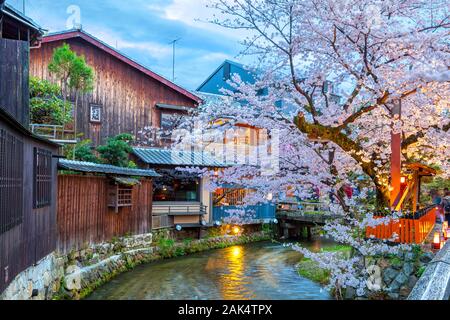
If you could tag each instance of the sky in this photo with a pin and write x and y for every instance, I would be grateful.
(143, 30)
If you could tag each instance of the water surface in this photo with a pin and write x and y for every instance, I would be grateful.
(262, 270)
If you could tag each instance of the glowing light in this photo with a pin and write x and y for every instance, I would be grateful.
(402, 180)
(236, 229)
(237, 252)
(436, 240)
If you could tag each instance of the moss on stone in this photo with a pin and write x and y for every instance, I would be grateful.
(310, 270)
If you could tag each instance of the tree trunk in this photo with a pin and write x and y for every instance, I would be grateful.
(350, 147)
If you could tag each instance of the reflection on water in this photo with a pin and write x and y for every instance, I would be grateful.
(253, 271)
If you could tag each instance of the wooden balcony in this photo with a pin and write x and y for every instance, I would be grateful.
(169, 214)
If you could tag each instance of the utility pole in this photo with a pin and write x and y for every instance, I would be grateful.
(23, 7)
(173, 57)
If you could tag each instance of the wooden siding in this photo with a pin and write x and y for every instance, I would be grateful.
(14, 91)
(85, 218)
(127, 96)
(34, 238)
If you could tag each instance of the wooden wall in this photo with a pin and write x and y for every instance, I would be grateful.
(128, 96)
(14, 90)
(84, 217)
(35, 237)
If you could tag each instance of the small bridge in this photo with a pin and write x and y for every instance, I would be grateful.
(297, 218)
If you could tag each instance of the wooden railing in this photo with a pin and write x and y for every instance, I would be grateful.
(52, 132)
(164, 215)
(303, 207)
(413, 228)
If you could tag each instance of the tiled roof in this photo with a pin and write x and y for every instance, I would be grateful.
(176, 157)
(92, 167)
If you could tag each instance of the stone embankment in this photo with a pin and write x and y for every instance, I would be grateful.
(77, 274)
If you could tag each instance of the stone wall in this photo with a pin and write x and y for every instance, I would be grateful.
(38, 282)
(49, 276)
(77, 274)
(435, 281)
(396, 275)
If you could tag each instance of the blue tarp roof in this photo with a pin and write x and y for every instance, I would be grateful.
(176, 157)
(92, 167)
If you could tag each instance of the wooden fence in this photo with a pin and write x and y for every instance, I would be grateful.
(83, 215)
(408, 229)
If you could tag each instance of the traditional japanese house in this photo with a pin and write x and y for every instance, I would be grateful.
(127, 97)
(97, 202)
(27, 162)
(180, 199)
(238, 144)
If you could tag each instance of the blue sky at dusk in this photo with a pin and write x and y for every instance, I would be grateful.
(142, 29)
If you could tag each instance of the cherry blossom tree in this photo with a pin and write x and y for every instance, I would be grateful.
(377, 54)
(335, 74)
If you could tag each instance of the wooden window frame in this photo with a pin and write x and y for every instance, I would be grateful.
(11, 181)
(120, 196)
(42, 178)
(100, 107)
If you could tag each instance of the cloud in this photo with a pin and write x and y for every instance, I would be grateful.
(153, 49)
(197, 14)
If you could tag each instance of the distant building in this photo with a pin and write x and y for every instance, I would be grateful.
(239, 144)
(127, 96)
(218, 79)
(28, 181)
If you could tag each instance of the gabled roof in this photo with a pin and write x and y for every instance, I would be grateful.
(91, 167)
(236, 64)
(79, 33)
(176, 157)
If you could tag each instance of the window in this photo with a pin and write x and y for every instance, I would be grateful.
(96, 113)
(176, 186)
(11, 181)
(42, 191)
(119, 195)
(170, 121)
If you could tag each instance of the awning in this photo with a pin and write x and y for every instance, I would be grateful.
(126, 181)
(92, 167)
(176, 157)
(172, 107)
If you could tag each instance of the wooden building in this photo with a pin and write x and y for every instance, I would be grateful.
(127, 96)
(180, 199)
(27, 162)
(97, 202)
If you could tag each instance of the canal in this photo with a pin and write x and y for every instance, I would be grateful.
(263, 270)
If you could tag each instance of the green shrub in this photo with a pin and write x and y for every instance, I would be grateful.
(46, 105)
(116, 150)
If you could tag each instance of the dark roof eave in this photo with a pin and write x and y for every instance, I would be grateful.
(90, 167)
(17, 15)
